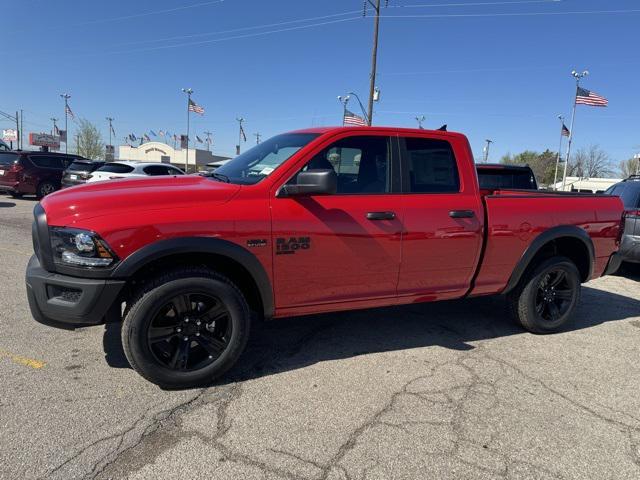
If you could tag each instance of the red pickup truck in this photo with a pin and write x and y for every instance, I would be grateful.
(311, 221)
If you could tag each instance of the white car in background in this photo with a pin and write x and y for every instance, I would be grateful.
(124, 169)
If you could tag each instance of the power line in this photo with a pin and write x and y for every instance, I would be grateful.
(513, 14)
(235, 30)
(146, 14)
(474, 4)
(235, 37)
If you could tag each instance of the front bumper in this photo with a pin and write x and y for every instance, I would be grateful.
(630, 248)
(63, 300)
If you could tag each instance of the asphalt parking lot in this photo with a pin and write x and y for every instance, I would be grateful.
(449, 390)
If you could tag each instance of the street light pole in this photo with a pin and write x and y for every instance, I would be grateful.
(110, 120)
(66, 97)
(366, 116)
(258, 137)
(188, 91)
(239, 120)
(420, 119)
(486, 150)
(555, 176)
(344, 100)
(578, 77)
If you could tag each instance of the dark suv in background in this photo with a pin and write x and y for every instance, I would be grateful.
(629, 192)
(33, 173)
(79, 172)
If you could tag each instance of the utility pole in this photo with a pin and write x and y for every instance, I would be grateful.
(420, 119)
(55, 128)
(555, 176)
(110, 120)
(208, 134)
(258, 136)
(21, 129)
(374, 54)
(240, 120)
(66, 98)
(486, 150)
(188, 91)
(578, 77)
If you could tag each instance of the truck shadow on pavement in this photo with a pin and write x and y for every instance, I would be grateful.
(298, 342)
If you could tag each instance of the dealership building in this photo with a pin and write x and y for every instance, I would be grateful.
(162, 153)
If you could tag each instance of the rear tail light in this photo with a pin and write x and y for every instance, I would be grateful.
(632, 213)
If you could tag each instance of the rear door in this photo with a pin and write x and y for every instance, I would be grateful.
(346, 246)
(442, 217)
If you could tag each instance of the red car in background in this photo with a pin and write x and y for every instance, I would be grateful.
(33, 173)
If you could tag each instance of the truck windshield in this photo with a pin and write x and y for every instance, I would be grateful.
(258, 162)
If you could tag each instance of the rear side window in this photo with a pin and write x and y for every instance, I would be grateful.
(44, 161)
(431, 165)
(8, 159)
(159, 170)
(115, 168)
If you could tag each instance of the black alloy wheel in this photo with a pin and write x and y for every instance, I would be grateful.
(554, 296)
(190, 332)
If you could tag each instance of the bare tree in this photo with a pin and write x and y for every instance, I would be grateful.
(590, 162)
(89, 142)
(630, 167)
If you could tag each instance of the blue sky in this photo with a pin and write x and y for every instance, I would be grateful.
(490, 69)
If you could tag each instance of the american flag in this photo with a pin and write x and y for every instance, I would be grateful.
(198, 139)
(565, 131)
(351, 118)
(586, 97)
(67, 110)
(195, 108)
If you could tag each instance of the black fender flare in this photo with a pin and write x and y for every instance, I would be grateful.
(179, 245)
(562, 231)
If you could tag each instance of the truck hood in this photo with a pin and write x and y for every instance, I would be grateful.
(134, 196)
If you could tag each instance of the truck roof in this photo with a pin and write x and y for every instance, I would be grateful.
(322, 130)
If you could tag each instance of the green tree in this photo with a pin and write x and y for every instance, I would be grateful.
(543, 164)
(89, 141)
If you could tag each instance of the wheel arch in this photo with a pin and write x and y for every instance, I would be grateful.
(228, 258)
(567, 240)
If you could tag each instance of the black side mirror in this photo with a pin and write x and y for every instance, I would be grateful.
(312, 182)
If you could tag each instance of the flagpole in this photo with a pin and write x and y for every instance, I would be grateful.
(578, 77)
(188, 91)
(555, 176)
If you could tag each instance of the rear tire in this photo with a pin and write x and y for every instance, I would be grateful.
(45, 188)
(546, 298)
(186, 328)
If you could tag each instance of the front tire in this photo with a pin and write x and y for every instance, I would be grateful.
(186, 328)
(547, 297)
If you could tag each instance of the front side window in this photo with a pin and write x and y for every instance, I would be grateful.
(432, 166)
(361, 164)
(260, 161)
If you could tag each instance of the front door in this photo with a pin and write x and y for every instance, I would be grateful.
(345, 246)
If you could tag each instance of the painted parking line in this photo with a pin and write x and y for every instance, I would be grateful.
(20, 360)
(11, 250)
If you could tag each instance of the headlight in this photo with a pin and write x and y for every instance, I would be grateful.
(80, 248)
